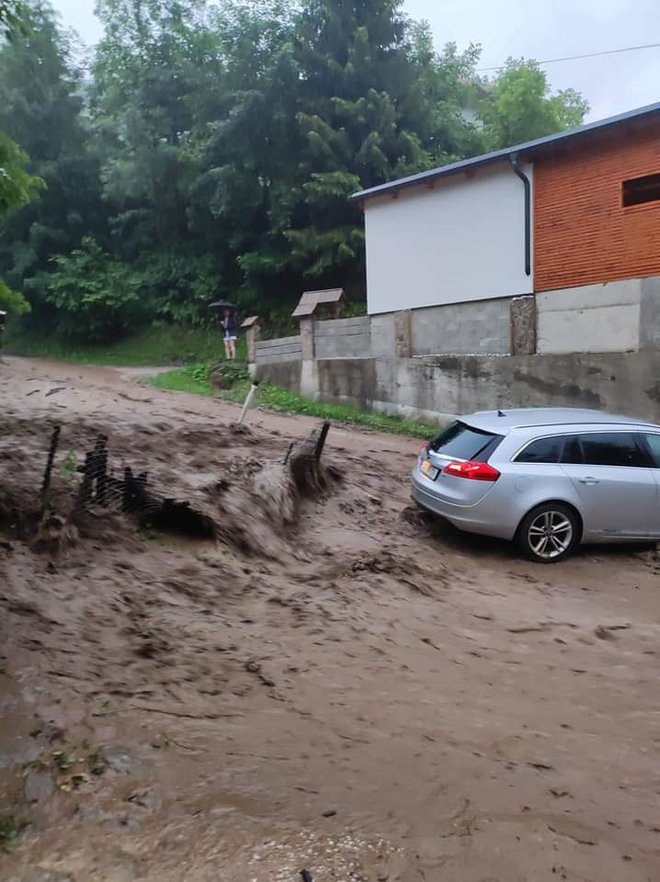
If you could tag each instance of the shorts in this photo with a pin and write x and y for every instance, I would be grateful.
(229, 338)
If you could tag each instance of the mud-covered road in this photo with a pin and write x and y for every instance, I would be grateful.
(355, 691)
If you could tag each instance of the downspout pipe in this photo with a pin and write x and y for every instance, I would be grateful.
(515, 165)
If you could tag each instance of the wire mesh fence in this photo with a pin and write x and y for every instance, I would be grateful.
(78, 487)
(100, 480)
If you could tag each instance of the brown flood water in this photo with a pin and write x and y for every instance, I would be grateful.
(360, 693)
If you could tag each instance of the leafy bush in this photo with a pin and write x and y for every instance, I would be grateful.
(17, 185)
(97, 298)
(200, 372)
(179, 289)
(12, 301)
(234, 372)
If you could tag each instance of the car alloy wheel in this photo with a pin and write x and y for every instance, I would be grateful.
(548, 533)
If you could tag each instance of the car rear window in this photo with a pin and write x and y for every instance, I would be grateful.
(464, 442)
(542, 450)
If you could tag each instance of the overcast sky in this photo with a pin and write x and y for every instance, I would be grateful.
(538, 29)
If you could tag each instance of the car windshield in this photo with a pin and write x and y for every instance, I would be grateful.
(464, 442)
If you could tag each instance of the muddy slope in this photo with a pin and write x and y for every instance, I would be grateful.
(333, 684)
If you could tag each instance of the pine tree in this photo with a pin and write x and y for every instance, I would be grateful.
(357, 115)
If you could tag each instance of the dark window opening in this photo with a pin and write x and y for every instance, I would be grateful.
(572, 454)
(464, 442)
(637, 191)
(545, 450)
(653, 443)
(605, 449)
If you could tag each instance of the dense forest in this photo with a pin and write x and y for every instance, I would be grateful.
(207, 150)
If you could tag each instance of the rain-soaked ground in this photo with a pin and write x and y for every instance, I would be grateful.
(348, 690)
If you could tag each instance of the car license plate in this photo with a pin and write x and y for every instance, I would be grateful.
(429, 470)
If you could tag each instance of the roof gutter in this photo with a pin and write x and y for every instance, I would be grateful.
(515, 165)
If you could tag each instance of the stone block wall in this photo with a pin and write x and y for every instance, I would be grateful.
(475, 328)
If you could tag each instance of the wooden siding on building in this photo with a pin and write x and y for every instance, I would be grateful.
(582, 232)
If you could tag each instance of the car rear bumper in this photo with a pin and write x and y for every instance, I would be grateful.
(483, 517)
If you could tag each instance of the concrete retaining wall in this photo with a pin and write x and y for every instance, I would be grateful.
(474, 328)
(281, 350)
(597, 318)
(343, 338)
(613, 317)
(383, 335)
(435, 389)
(649, 314)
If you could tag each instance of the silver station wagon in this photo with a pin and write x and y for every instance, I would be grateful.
(546, 478)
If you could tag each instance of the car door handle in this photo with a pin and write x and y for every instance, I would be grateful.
(589, 481)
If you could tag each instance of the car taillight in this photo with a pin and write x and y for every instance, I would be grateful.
(423, 448)
(476, 471)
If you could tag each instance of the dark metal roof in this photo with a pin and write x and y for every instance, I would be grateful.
(525, 150)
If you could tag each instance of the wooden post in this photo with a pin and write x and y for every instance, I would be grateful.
(45, 487)
(252, 328)
(320, 444)
(307, 338)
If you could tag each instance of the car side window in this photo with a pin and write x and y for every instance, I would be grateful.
(612, 449)
(542, 450)
(653, 442)
(572, 453)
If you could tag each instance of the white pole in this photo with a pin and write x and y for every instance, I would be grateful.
(247, 402)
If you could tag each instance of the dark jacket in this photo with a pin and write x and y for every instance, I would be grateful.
(228, 325)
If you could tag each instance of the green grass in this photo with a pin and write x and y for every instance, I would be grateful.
(153, 346)
(10, 832)
(195, 380)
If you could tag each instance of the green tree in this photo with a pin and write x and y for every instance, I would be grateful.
(518, 105)
(17, 186)
(155, 62)
(247, 185)
(447, 87)
(11, 18)
(210, 149)
(41, 108)
(158, 78)
(377, 103)
(96, 298)
(358, 112)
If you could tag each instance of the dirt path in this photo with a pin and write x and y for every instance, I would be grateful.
(360, 694)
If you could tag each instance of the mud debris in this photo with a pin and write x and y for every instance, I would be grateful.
(210, 698)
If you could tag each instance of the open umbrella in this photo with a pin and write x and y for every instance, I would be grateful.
(221, 304)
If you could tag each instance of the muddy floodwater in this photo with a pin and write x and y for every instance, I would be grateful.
(339, 686)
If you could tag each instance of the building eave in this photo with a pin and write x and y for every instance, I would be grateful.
(525, 151)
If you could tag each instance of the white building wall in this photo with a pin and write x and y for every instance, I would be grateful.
(462, 240)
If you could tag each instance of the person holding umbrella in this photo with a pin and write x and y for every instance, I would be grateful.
(228, 326)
